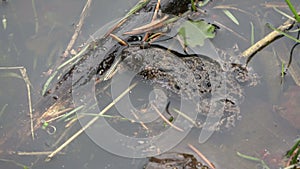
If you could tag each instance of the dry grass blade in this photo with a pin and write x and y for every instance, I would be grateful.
(60, 114)
(148, 27)
(37, 153)
(78, 27)
(156, 11)
(166, 120)
(136, 8)
(274, 4)
(89, 123)
(113, 68)
(233, 8)
(185, 116)
(28, 84)
(121, 41)
(284, 14)
(138, 119)
(11, 68)
(202, 156)
(73, 120)
(53, 112)
(153, 37)
(153, 18)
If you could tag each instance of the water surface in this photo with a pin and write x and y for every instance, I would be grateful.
(260, 131)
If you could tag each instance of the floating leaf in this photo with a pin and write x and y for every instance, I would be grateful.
(194, 33)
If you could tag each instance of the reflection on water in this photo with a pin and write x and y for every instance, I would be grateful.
(262, 132)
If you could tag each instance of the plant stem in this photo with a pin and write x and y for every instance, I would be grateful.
(292, 8)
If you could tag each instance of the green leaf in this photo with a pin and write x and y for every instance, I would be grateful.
(194, 33)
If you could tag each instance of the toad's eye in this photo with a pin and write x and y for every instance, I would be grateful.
(135, 38)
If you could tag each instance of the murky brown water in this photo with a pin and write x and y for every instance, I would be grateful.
(261, 132)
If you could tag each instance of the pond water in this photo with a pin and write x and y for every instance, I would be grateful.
(261, 132)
